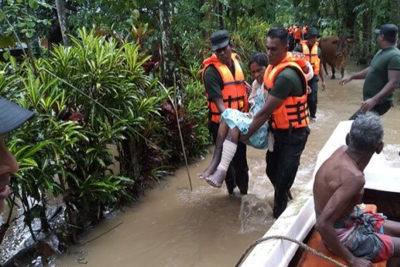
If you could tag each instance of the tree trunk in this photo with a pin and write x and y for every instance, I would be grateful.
(365, 39)
(31, 57)
(202, 16)
(335, 10)
(62, 19)
(221, 16)
(167, 48)
(129, 158)
(272, 13)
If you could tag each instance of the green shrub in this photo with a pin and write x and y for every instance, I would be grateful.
(89, 97)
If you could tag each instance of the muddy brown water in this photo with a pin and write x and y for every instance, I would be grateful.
(172, 226)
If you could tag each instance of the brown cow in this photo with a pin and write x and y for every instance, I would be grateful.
(334, 52)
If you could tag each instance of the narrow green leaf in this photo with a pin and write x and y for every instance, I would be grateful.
(6, 55)
(33, 4)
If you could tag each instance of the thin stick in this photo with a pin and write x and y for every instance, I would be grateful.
(180, 133)
(179, 126)
(109, 230)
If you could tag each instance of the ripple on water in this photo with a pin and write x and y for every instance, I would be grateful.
(391, 152)
(255, 214)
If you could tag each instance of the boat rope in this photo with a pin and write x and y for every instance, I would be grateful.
(301, 244)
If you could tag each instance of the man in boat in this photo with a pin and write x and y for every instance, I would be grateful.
(382, 76)
(357, 237)
(11, 117)
(286, 110)
(225, 86)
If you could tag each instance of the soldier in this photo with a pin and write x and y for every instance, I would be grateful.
(225, 86)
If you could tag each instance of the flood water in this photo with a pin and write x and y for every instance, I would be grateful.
(172, 226)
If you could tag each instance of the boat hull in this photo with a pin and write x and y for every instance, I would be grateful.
(382, 189)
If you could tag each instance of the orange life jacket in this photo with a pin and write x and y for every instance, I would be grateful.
(234, 92)
(304, 30)
(313, 56)
(297, 33)
(293, 113)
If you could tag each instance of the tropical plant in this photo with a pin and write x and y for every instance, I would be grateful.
(95, 105)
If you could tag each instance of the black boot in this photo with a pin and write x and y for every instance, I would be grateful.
(289, 194)
(280, 203)
(230, 185)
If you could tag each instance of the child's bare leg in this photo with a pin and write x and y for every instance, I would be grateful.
(222, 133)
(228, 152)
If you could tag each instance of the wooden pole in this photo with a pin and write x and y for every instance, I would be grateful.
(180, 132)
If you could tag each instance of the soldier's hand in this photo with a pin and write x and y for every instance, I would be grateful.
(345, 80)
(323, 86)
(368, 105)
(243, 138)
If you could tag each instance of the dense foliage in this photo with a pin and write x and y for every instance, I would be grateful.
(95, 106)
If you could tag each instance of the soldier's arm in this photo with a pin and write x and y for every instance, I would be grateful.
(393, 79)
(390, 86)
(262, 116)
(220, 104)
(284, 86)
(393, 82)
(322, 72)
(321, 67)
(357, 76)
(213, 84)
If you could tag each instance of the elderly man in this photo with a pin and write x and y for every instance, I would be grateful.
(357, 237)
(225, 87)
(382, 76)
(11, 117)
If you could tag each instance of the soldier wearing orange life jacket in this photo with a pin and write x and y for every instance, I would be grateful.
(291, 37)
(225, 87)
(304, 31)
(297, 35)
(286, 109)
(310, 48)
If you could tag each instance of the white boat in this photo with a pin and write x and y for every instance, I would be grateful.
(299, 218)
